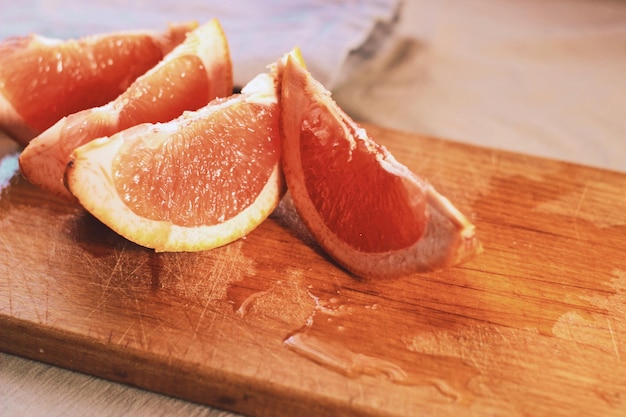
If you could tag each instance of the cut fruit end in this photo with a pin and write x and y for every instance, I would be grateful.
(92, 71)
(369, 212)
(295, 54)
(176, 34)
(277, 68)
(190, 76)
(195, 183)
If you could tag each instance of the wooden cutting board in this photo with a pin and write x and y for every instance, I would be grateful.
(269, 326)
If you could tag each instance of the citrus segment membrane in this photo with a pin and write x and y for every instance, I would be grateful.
(348, 180)
(170, 89)
(196, 174)
(194, 73)
(366, 210)
(44, 79)
(197, 182)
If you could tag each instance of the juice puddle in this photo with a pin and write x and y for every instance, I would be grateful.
(332, 338)
(346, 334)
(354, 365)
(246, 304)
(274, 304)
(342, 360)
(351, 328)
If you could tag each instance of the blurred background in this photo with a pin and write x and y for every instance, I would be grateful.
(546, 78)
(530, 76)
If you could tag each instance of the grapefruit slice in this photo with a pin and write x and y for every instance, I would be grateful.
(189, 77)
(366, 210)
(43, 79)
(197, 182)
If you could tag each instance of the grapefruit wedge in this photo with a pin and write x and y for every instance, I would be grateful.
(197, 182)
(43, 79)
(189, 77)
(370, 213)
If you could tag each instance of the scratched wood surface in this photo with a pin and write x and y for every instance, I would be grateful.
(268, 326)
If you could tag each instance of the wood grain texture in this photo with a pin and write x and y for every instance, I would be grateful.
(536, 325)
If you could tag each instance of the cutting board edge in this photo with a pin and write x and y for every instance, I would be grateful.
(201, 385)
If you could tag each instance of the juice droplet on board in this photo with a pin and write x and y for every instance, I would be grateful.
(320, 341)
(339, 358)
